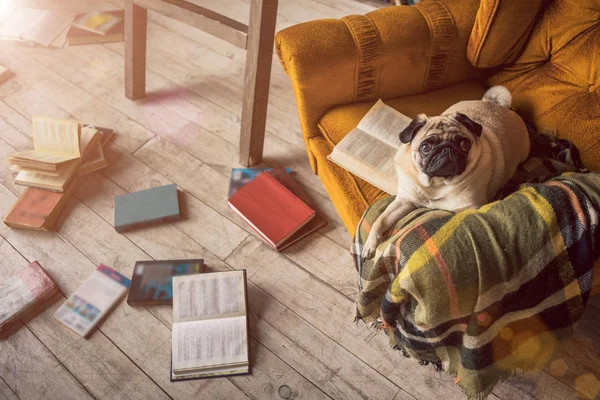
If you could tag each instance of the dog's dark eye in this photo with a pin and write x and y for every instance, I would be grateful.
(425, 147)
(465, 145)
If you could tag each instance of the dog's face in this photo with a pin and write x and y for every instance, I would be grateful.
(440, 146)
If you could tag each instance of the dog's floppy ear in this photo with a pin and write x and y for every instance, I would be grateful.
(468, 123)
(408, 134)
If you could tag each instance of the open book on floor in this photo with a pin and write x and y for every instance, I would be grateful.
(210, 326)
(368, 150)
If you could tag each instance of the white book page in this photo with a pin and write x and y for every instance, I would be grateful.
(384, 123)
(207, 296)
(61, 39)
(373, 153)
(36, 179)
(43, 157)
(212, 342)
(56, 135)
(47, 28)
(368, 151)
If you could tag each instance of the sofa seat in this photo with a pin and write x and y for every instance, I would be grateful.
(352, 195)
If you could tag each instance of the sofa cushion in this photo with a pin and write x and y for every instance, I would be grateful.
(351, 195)
(501, 30)
(556, 81)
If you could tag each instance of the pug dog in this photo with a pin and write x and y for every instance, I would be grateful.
(456, 161)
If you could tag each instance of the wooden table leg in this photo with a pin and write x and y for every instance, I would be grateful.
(136, 20)
(257, 78)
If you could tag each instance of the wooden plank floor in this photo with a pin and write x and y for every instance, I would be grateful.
(304, 343)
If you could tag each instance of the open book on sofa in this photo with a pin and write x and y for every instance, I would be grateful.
(368, 150)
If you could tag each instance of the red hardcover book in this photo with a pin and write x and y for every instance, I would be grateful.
(271, 209)
(314, 224)
(24, 296)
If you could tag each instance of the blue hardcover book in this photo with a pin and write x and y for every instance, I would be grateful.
(150, 206)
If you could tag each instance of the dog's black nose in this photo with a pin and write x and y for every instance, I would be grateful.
(450, 153)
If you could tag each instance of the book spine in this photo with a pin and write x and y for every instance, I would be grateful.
(129, 227)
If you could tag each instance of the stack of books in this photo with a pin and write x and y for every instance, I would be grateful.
(62, 150)
(275, 206)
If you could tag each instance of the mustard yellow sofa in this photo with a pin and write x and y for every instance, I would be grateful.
(426, 57)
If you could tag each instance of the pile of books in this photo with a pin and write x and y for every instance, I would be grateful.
(210, 310)
(274, 205)
(55, 29)
(62, 150)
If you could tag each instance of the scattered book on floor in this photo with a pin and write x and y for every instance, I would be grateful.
(146, 207)
(93, 301)
(311, 226)
(5, 74)
(241, 176)
(77, 36)
(368, 151)
(272, 210)
(152, 281)
(89, 139)
(38, 209)
(55, 142)
(23, 296)
(94, 162)
(210, 326)
(34, 26)
(98, 22)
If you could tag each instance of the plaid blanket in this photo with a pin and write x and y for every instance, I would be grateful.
(487, 293)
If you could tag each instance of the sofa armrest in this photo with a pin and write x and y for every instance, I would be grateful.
(388, 53)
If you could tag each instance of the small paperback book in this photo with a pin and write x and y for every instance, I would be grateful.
(77, 36)
(152, 281)
(99, 22)
(146, 207)
(210, 326)
(93, 301)
(23, 296)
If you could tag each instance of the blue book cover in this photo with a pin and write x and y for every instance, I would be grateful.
(152, 281)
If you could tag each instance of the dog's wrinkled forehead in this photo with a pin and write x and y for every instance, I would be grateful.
(442, 126)
(445, 126)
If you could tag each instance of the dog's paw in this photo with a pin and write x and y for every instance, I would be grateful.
(369, 248)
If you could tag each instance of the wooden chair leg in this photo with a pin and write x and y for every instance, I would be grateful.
(257, 78)
(136, 19)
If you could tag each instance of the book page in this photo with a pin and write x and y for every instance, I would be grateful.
(213, 342)
(368, 150)
(207, 296)
(56, 135)
(371, 152)
(41, 157)
(384, 123)
(47, 28)
(58, 182)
